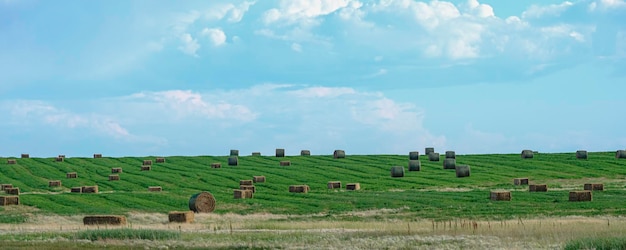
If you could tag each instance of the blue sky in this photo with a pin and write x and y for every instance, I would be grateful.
(138, 78)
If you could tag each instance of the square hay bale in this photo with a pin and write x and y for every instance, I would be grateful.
(12, 191)
(71, 175)
(433, 156)
(331, 185)
(11, 161)
(580, 195)
(181, 217)
(147, 162)
(582, 154)
(305, 152)
(233, 161)
(89, 189)
(450, 155)
(62, 156)
(414, 155)
(160, 160)
(9, 200)
(462, 171)
(146, 168)
(216, 165)
(538, 188)
(155, 189)
(242, 194)
(245, 182)
(260, 178)
(95, 156)
(114, 177)
(104, 220)
(339, 154)
(116, 170)
(248, 187)
(520, 181)
(59, 159)
(76, 189)
(234, 152)
(256, 153)
(449, 163)
(415, 165)
(54, 183)
(299, 189)
(527, 154)
(25, 156)
(5, 186)
(594, 186)
(280, 152)
(353, 186)
(500, 195)
(285, 163)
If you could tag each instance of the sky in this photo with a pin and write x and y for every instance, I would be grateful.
(157, 77)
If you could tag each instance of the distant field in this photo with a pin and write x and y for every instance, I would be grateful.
(432, 193)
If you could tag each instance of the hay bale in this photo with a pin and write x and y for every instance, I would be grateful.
(25, 156)
(11, 161)
(433, 156)
(59, 159)
(449, 163)
(104, 220)
(581, 154)
(155, 189)
(76, 189)
(147, 162)
(180, 217)
(242, 194)
(97, 156)
(245, 182)
(116, 170)
(520, 181)
(89, 189)
(256, 153)
(305, 152)
(415, 165)
(146, 168)
(594, 186)
(216, 165)
(202, 202)
(55, 183)
(580, 195)
(299, 189)
(333, 184)
(248, 187)
(429, 150)
(280, 152)
(353, 186)
(62, 156)
(397, 171)
(160, 160)
(285, 163)
(620, 154)
(500, 195)
(234, 152)
(114, 177)
(9, 200)
(260, 178)
(71, 175)
(450, 155)
(5, 186)
(538, 188)
(12, 191)
(339, 154)
(414, 155)
(527, 154)
(462, 171)
(233, 161)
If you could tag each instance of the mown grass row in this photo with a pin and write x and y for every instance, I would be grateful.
(430, 193)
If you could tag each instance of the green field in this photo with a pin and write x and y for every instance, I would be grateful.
(432, 193)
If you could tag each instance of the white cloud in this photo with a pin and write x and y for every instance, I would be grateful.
(189, 45)
(318, 92)
(537, 11)
(235, 13)
(480, 10)
(296, 47)
(292, 11)
(215, 35)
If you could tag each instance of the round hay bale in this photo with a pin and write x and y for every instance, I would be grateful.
(339, 154)
(233, 161)
(462, 171)
(581, 154)
(433, 156)
(305, 152)
(397, 171)
(414, 155)
(234, 152)
(429, 150)
(527, 154)
(620, 154)
(415, 165)
(449, 163)
(202, 202)
(450, 155)
(280, 152)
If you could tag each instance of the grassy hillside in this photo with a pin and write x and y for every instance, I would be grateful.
(430, 193)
